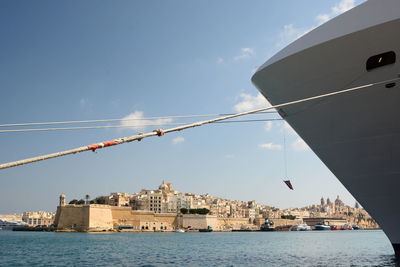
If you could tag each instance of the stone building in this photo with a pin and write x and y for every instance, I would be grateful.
(163, 200)
(120, 199)
(38, 218)
(95, 217)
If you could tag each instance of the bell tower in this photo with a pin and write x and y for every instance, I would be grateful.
(62, 200)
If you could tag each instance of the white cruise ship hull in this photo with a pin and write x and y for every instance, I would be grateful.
(356, 134)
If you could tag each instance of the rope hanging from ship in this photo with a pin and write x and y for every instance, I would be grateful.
(161, 132)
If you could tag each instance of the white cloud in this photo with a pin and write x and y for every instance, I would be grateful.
(322, 18)
(339, 8)
(249, 102)
(245, 53)
(220, 60)
(137, 121)
(343, 6)
(271, 146)
(178, 140)
(300, 145)
(268, 126)
(291, 32)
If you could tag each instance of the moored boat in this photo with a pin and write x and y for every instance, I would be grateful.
(321, 227)
(346, 227)
(208, 229)
(267, 226)
(301, 227)
(10, 225)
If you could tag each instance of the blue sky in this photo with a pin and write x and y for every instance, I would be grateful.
(83, 60)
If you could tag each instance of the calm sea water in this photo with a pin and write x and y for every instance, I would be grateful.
(330, 248)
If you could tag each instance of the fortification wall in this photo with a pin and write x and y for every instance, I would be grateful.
(143, 220)
(73, 216)
(282, 222)
(100, 217)
(196, 221)
(103, 217)
(169, 218)
(124, 216)
(232, 223)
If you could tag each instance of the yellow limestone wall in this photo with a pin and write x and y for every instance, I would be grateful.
(73, 217)
(96, 217)
(103, 217)
(196, 221)
(100, 217)
(143, 220)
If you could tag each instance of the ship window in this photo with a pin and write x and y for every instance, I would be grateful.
(381, 60)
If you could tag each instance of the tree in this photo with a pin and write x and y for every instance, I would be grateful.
(100, 200)
(74, 201)
(184, 210)
(192, 211)
(80, 202)
(203, 211)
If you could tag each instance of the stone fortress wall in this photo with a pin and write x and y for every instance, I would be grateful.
(95, 217)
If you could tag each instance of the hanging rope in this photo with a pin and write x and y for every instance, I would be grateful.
(128, 139)
(284, 154)
(287, 182)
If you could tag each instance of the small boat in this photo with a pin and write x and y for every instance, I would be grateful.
(301, 227)
(178, 231)
(267, 226)
(283, 228)
(335, 227)
(346, 227)
(356, 227)
(208, 229)
(321, 227)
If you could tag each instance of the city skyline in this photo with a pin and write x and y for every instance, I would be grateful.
(83, 61)
(128, 194)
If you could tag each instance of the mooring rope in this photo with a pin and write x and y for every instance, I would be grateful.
(160, 132)
(115, 120)
(120, 126)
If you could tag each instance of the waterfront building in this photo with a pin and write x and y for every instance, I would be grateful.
(37, 218)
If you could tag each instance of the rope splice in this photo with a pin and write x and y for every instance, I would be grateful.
(159, 132)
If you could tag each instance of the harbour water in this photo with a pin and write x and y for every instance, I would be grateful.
(326, 248)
